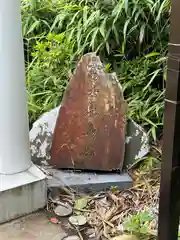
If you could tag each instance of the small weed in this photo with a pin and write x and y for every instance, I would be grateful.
(114, 188)
(138, 223)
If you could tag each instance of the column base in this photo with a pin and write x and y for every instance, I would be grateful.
(22, 193)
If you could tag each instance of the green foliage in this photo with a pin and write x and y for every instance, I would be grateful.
(143, 85)
(105, 26)
(37, 17)
(130, 36)
(102, 26)
(108, 25)
(147, 164)
(138, 223)
(48, 74)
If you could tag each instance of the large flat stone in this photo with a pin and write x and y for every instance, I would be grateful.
(89, 182)
(90, 128)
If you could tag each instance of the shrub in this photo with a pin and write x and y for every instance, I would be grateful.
(130, 36)
(143, 80)
(48, 74)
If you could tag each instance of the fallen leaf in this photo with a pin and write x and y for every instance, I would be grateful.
(79, 220)
(81, 203)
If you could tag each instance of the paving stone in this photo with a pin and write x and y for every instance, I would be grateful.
(35, 226)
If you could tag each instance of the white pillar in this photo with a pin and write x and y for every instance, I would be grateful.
(23, 187)
(14, 134)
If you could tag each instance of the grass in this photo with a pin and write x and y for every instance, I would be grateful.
(129, 35)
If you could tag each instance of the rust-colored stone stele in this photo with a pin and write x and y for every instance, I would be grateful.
(90, 129)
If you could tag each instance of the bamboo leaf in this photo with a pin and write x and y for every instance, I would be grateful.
(153, 132)
(132, 29)
(107, 48)
(138, 15)
(73, 19)
(33, 27)
(155, 73)
(90, 20)
(126, 4)
(125, 28)
(102, 28)
(33, 4)
(117, 11)
(79, 33)
(142, 33)
(116, 34)
(153, 54)
(161, 9)
(162, 59)
(58, 20)
(149, 121)
(25, 25)
(87, 39)
(71, 33)
(93, 39)
(85, 15)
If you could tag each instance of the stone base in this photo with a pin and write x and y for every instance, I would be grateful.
(22, 193)
(88, 181)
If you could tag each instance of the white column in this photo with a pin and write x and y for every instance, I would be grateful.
(23, 185)
(14, 130)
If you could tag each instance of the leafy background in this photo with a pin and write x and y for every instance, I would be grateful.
(130, 36)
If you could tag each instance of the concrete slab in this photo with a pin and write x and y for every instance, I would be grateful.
(35, 226)
(88, 181)
(22, 193)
